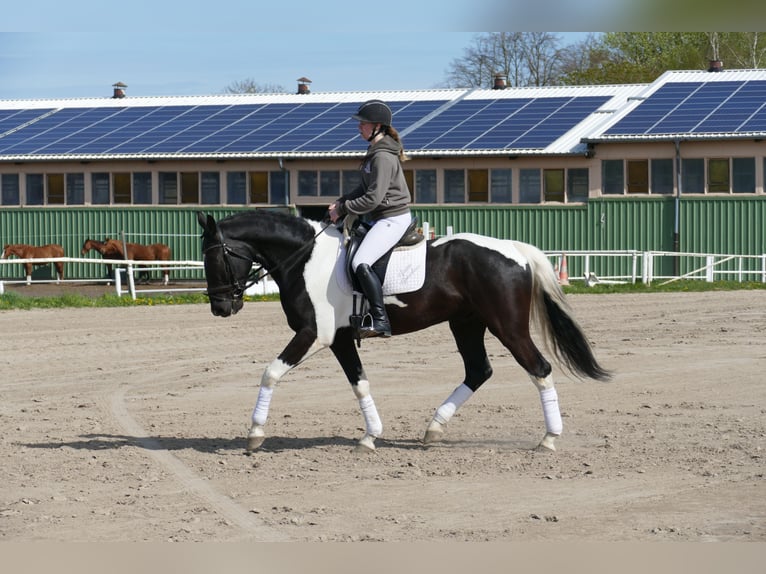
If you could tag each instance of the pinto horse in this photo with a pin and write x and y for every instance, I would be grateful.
(50, 251)
(475, 283)
(113, 249)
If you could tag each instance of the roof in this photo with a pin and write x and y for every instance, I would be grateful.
(686, 105)
(559, 120)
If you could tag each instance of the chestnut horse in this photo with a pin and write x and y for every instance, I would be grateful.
(139, 252)
(112, 249)
(49, 251)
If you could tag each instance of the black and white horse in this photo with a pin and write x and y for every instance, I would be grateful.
(471, 281)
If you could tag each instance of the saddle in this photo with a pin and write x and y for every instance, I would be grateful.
(356, 230)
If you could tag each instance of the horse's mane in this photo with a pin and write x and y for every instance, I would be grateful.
(267, 224)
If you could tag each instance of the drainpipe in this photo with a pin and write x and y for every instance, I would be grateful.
(677, 222)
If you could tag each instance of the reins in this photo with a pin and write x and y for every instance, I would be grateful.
(236, 285)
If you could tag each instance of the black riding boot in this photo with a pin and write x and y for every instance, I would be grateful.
(373, 291)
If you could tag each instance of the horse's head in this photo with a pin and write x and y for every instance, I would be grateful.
(87, 246)
(227, 270)
(5, 252)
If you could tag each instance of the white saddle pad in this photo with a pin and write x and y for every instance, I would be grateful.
(406, 270)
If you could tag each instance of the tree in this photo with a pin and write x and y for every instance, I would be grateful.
(250, 86)
(523, 58)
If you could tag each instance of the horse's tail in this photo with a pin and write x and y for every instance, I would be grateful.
(555, 320)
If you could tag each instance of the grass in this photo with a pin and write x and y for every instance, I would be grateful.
(10, 301)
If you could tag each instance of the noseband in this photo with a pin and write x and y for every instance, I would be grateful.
(236, 287)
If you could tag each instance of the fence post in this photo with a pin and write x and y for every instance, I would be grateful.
(709, 263)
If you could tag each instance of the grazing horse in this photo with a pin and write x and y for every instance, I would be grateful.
(475, 283)
(105, 251)
(49, 251)
(112, 249)
(139, 252)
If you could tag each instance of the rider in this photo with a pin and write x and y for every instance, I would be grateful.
(384, 197)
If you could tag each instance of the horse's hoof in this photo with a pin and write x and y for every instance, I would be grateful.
(255, 439)
(366, 444)
(547, 444)
(434, 433)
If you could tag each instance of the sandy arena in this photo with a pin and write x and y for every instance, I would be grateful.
(127, 425)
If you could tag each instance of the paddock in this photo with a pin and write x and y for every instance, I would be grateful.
(128, 424)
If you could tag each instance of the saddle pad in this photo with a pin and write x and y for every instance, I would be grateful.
(406, 270)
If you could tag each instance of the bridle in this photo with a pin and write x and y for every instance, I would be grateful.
(236, 287)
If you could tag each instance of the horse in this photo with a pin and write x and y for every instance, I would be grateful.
(113, 249)
(50, 251)
(106, 252)
(473, 282)
(139, 252)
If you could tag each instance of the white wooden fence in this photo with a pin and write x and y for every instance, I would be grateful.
(641, 268)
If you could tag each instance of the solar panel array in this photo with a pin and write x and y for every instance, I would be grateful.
(698, 108)
(279, 127)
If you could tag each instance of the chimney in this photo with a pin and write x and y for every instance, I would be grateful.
(303, 86)
(715, 66)
(499, 82)
(119, 90)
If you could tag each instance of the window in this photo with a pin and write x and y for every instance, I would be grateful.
(612, 177)
(425, 186)
(478, 185)
(210, 188)
(10, 189)
(35, 189)
(329, 183)
(501, 186)
(142, 188)
(578, 185)
(168, 191)
(122, 193)
(454, 186)
(554, 185)
(743, 175)
(718, 175)
(236, 187)
(189, 187)
(529, 186)
(75, 189)
(99, 183)
(279, 184)
(351, 179)
(638, 176)
(693, 175)
(259, 186)
(307, 183)
(662, 176)
(56, 190)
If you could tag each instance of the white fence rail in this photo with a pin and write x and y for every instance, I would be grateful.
(641, 267)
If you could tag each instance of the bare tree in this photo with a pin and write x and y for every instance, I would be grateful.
(250, 86)
(524, 58)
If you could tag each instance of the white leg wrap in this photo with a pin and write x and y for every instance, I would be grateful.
(551, 413)
(261, 412)
(371, 417)
(449, 407)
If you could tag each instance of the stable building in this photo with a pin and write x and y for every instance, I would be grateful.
(677, 164)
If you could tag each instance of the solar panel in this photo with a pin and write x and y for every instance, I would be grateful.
(504, 123)
(698, 108)
(12, 119)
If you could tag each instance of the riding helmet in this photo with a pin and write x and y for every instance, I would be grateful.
(374, 112)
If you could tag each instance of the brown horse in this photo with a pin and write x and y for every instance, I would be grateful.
(49, 251)
(139, 252)
(107, 252)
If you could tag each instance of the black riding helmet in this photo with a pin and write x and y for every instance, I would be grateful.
(374, 112)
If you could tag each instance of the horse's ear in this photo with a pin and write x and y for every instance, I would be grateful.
(206, 222)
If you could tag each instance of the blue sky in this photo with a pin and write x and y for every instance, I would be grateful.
(79, 48)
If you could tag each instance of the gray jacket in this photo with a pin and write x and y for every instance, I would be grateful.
(383, 191)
